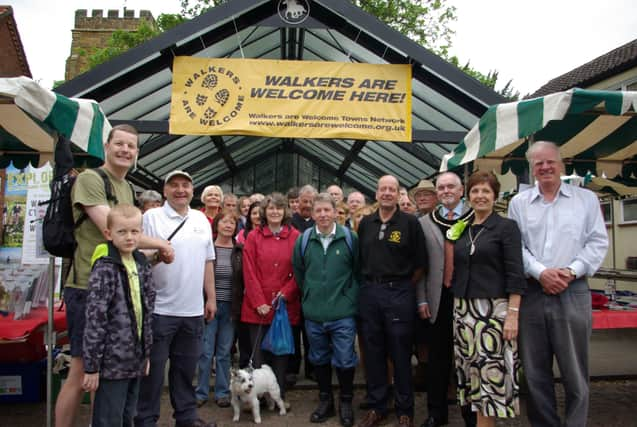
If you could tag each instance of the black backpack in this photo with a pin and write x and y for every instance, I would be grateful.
(58, 225)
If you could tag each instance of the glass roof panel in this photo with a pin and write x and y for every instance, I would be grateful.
(132, 93)
(170, 156)
(203, 176)
(322, 151)
(145, 105)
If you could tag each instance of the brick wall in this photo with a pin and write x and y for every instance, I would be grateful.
(94, 31)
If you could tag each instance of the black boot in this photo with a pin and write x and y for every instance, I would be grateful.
(470, 417)
(345, 411)
(346, 382)
(325, 408)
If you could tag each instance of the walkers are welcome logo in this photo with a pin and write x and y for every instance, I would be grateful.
(212, 96)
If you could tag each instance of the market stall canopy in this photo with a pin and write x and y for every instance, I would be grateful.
(31, 118)
(596, 132)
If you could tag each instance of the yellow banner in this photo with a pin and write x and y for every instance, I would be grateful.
(290, 99)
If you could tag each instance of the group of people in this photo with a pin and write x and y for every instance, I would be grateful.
(441, 273)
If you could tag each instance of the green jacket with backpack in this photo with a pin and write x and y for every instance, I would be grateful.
(328, 280)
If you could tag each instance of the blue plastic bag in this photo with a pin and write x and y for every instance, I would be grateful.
(278, 340)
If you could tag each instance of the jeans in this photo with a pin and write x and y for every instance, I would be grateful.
(115, 402)
(217, 341)
(332, 342)
(178, 339)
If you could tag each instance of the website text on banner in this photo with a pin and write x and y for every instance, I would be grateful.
(291, 99)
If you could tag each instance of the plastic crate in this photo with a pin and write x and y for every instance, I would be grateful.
(22, 382)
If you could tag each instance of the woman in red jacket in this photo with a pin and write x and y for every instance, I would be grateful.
(267, 273)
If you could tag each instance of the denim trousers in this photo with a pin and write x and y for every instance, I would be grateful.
(115, 402)
(332, 342)
(178, 339)
(218, 337)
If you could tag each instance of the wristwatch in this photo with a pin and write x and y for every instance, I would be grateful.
(573, 273)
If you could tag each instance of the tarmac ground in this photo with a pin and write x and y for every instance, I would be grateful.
(611, 404)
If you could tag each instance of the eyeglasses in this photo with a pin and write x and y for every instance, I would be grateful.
(381, 232)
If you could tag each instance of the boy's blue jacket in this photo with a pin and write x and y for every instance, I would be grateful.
(111, 344)
(328, 280)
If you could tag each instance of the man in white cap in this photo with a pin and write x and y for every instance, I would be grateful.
(424, 194)
(178, 319)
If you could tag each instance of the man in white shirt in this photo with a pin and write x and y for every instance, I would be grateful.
(564, 241)
(179, 304)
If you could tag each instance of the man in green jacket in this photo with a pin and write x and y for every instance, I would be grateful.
(326, 267)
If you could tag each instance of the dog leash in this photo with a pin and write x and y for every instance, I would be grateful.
(250, 367)
(275, 305)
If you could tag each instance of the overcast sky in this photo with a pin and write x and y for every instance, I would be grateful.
(529, 42)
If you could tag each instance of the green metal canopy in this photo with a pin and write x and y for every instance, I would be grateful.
(596, 132)
(136, 86)
(31, 117)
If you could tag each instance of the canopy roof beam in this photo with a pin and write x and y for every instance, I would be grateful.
(347, 161)
(362, 162)
(247, 164)
(323, 164)
(225, 154)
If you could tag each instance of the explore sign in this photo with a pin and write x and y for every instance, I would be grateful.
(291, 99)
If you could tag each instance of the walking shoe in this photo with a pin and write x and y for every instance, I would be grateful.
(346, 413)
(324, 410)
(433, 422)
(223, 402)
(405, 421)
(197, 423)
(364, 405)
(371, 419)
(290, 380)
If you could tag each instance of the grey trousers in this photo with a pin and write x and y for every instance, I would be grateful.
(556, 326)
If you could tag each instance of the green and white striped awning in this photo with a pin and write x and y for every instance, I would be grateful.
(31, 117)
(596, 132)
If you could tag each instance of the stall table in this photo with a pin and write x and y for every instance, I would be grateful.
(23, 340)
(614, 319)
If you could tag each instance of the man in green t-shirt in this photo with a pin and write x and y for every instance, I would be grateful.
(89, 196)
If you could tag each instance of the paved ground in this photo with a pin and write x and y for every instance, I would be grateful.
(612, 404)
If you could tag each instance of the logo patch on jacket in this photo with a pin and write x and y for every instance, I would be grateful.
(394, 237)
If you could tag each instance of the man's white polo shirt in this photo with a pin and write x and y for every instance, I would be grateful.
(180, 284)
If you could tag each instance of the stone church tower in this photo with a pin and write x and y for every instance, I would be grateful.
(93, 32)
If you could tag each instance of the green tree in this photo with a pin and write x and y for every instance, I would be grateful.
(489, 80)
(198, 7)
(121, 41)
(424, 21)
(427, 22)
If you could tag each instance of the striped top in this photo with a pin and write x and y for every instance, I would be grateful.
(223, 274)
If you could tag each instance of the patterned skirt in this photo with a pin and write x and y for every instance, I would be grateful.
(487, 366)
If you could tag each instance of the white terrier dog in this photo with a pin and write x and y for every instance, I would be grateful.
(247, 387)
